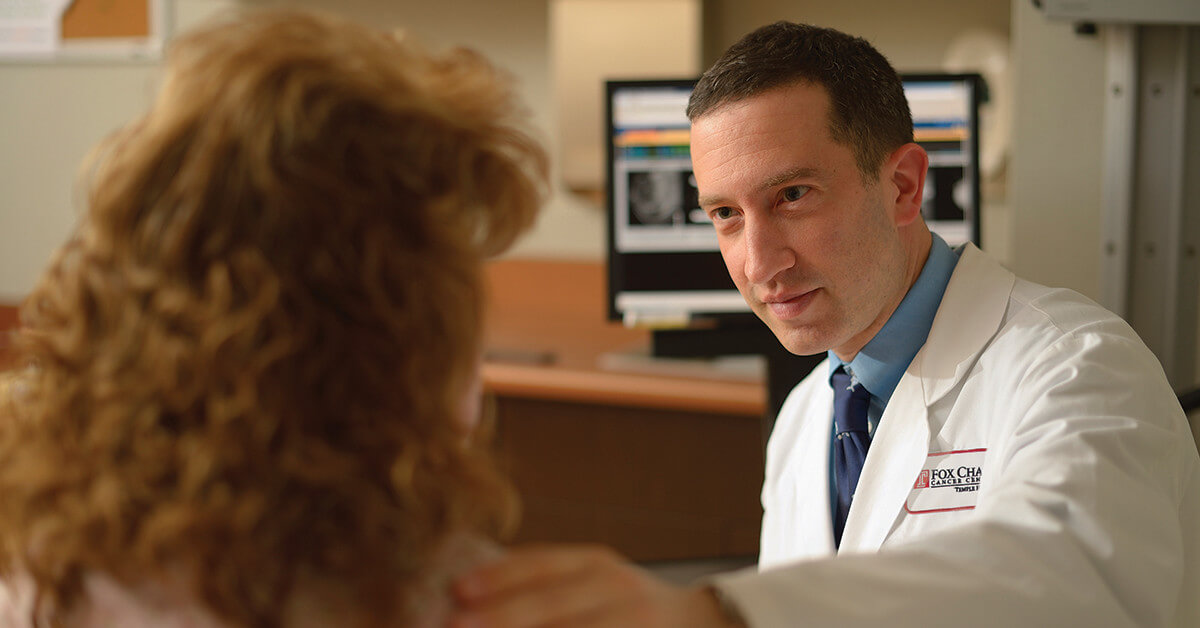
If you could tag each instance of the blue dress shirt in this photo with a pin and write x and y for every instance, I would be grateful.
(882, 362)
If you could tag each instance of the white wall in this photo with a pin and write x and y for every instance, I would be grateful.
(1055, 176)
(50, 116)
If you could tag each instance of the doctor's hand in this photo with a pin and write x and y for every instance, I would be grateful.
(577, 586)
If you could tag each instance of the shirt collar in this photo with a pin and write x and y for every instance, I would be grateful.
(882, 362)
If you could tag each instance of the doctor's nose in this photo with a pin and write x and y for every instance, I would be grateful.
(767, 253)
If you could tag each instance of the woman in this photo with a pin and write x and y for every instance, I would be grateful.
(247, 381)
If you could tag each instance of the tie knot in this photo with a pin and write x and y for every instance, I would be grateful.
(842, 384)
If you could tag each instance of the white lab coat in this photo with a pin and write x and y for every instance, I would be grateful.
(1085, 509)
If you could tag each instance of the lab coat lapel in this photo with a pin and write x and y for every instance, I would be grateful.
(814, 536)
(898, 451)
(971, 312)
(816, 523)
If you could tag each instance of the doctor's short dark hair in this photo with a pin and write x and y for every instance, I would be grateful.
(869, 112)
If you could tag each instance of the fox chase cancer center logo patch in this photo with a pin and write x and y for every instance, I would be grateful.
(948, 481)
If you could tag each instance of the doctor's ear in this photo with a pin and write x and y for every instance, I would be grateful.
(905, 170)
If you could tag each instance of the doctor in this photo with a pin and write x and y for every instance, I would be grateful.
(978, 450)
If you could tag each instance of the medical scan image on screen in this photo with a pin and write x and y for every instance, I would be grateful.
(663, 197)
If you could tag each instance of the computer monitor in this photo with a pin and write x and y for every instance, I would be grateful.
(945, 111)
(664, 268)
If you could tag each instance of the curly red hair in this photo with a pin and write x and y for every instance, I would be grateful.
(246, 364)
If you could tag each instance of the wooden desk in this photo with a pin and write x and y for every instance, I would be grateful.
(658, 466)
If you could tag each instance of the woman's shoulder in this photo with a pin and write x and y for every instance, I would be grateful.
(108, 603)
(112, 603)
(16, 601)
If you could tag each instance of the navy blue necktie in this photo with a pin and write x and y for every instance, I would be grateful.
(850, 405)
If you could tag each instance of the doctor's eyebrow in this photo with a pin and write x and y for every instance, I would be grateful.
(784, 177)
(774, 180)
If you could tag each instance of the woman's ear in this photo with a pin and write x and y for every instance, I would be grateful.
(905, 170)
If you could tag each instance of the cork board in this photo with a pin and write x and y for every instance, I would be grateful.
(103, 19)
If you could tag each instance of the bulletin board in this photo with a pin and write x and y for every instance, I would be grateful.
(88, 29)
(106, 19)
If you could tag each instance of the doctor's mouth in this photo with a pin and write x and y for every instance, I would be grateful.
(787, 307)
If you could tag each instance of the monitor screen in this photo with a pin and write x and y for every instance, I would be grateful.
(664, 267)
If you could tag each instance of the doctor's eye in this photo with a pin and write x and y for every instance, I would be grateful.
(722, 213)
(794, 192)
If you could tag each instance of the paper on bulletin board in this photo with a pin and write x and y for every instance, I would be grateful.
(31, 27)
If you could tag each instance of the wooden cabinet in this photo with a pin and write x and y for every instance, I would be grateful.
(654, 484)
